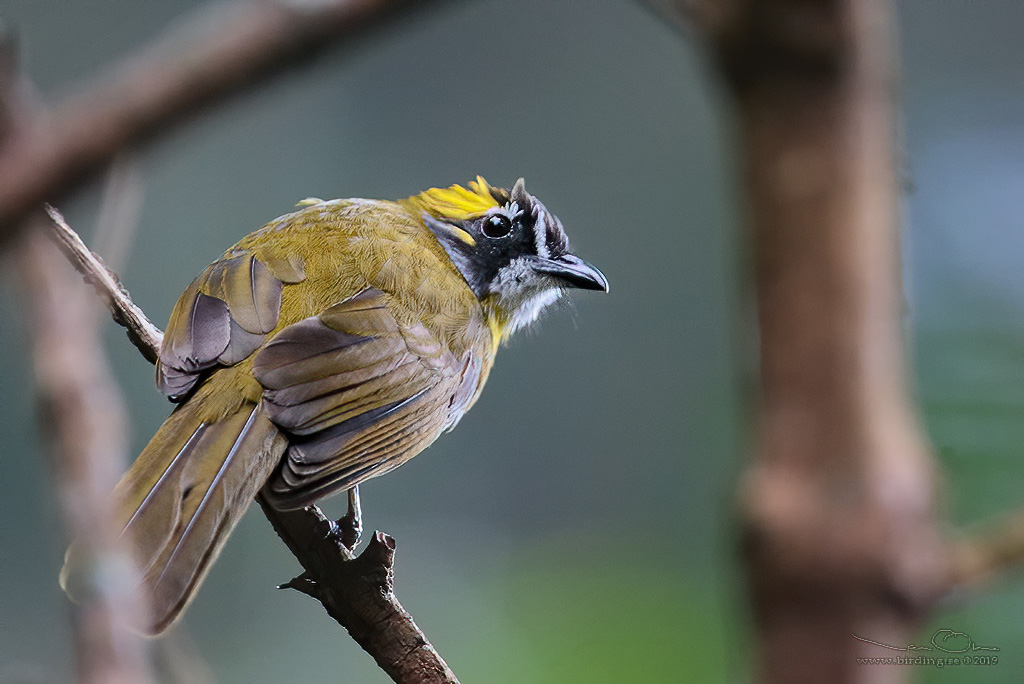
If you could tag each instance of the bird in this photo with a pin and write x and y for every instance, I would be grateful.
(324, 349)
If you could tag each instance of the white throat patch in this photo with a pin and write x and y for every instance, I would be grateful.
(522, 294)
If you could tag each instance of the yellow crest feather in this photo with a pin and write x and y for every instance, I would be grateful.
(457, 202)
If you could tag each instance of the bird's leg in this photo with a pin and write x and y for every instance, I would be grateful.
(351, 523)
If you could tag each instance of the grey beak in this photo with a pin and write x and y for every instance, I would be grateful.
(573, 271)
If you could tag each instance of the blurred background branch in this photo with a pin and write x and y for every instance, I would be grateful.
(221, 51)
(83, 421)
(841, 535)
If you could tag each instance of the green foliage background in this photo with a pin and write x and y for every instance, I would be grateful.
(577, 526)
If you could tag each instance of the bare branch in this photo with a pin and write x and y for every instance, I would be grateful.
(358, 592)
(143, 334)
(201, 63)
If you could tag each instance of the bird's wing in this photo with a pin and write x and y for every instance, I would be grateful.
(357, 392)
(223, 317)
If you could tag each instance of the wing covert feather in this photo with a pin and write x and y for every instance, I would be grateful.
(222, 318)
(357, 392)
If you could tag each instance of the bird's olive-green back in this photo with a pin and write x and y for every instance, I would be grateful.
(323, 254)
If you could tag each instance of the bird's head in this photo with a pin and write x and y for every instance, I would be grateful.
(512, 251)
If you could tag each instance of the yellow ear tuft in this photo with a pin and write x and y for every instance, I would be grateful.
(308, 202)
(457, 202)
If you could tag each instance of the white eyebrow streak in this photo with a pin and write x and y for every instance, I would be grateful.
(540, 234)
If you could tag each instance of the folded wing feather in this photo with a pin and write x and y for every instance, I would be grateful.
(357, 393)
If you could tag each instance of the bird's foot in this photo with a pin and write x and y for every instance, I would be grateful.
(351, 524)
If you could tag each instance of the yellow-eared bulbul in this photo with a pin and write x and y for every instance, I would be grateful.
(326, 348)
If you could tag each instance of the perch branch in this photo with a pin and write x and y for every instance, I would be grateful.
(217, 54)
(357, 591)
(146, 337)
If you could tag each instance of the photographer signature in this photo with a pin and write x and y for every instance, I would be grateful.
(947, 640)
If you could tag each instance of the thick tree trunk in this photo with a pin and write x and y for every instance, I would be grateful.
(838, 502)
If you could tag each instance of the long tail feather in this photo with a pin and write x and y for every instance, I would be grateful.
(185, 493)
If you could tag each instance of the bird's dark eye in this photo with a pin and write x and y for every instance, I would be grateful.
(497, 226)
